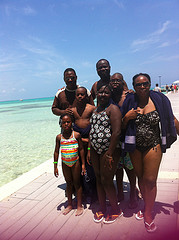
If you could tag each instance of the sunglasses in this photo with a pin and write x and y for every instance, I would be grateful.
(145, 84)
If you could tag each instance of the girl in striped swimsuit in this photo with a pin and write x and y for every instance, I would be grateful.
(70, 143)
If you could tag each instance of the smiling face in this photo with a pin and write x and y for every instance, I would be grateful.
(142, 85)
(70, 80)
(116, 81)
(66, 123)
(103, 95)
(103, 69)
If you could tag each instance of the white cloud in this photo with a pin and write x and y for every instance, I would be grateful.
(119, 4)
(165, 44)
(150, 39)
(163, 28)
(161, 58)
(28, 11)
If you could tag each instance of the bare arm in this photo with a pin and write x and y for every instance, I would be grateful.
(81, 150)
(57, 111)
(56, 154)
(94, 90)
(176, 124)
(115, 119)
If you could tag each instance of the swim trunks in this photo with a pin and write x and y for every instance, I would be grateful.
(83, 131)
(69, 150)
(125, 162)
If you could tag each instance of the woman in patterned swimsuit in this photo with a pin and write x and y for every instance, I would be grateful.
(147, 153)
(104, 136)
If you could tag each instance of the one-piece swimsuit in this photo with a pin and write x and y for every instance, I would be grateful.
(147, 131)
(69, 150)
(100, 132)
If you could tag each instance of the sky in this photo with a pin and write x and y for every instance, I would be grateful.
(40, 39)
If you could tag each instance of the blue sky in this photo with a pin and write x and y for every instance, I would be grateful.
(40, 39)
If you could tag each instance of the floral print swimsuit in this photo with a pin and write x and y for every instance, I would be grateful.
(147, 131)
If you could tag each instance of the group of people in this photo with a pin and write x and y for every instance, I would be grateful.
(121, 132)
(173, 88)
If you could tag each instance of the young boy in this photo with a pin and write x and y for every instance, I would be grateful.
(82, 113)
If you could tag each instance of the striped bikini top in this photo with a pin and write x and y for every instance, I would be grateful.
(69, 150)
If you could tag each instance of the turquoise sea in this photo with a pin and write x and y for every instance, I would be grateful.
(28, 130)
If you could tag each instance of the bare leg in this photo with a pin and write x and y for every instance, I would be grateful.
(119, 181)
(132, 179)
(152, 160)
(146, 166)
(76, 172)
(69, 180)
(137, 162)
(95, 159)
(107, 180)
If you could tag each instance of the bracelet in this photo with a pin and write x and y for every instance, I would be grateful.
(55, 162)
(108, 156)
(88, 148)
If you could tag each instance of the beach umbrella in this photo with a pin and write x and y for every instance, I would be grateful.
(177, 81)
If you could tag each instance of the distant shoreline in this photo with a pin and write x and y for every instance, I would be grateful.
(25, 100)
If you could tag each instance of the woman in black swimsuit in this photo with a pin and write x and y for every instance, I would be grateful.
(147, 156)
(104, 136)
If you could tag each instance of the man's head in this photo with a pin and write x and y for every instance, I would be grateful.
(70, 78)
(103, 69)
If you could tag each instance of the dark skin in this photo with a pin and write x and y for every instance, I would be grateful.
(105, 164)
(103, 69)
(146, 164)
(83, 111)
(117, 83)
(119, 93)
(66, 99)
(71, 174)
(70, 79)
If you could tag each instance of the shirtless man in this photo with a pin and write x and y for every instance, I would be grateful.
(82, 113)
(103, 69)
(65, 97)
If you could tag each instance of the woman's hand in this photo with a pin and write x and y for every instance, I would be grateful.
(131, 114)
(108, 160)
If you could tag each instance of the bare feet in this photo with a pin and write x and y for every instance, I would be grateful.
(67, 210)
(79, 211)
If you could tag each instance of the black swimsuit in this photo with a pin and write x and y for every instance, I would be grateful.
(147, 131)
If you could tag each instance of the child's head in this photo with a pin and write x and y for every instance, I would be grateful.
(66, 121)
(81, 94)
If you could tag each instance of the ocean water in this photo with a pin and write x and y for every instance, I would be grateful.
(28, 130)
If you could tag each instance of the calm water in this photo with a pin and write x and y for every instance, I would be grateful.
(27, 136)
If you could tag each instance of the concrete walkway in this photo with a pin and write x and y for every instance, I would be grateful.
(30, 206)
